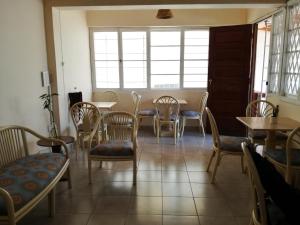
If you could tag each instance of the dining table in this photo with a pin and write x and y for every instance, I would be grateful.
(270, 125)
(104, 106)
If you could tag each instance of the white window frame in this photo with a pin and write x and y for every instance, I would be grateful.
(148, 49)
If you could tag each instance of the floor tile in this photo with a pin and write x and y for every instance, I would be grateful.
(146, 205)
(144, 220)
(112, 205)
(206, 190)
(199, 177)
(177, 190)
(179, 206)
(180, 220)
(220, 220)
(107, 219)
(149, 175)
(212, 207)
(148, 189)
(175, 176)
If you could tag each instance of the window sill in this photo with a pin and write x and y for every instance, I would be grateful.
(289, 100)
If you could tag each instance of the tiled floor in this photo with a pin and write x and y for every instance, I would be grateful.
(172, 189)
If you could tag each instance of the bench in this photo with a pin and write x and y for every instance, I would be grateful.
(26, 179)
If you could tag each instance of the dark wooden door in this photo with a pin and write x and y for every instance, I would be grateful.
(229, 76)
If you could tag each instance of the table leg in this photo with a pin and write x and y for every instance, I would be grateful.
(270, 140)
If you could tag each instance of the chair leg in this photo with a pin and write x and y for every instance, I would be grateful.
(154, 126)
(201, 126)
(210, 160)
(242, 164)
(90, 170)
(134, 171)
(157, 131)
(100, 164)
(215, 168)
(69, 178)
(51, 202)
(182, 125)
(175, 134)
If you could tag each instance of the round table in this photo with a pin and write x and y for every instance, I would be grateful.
(55, 145)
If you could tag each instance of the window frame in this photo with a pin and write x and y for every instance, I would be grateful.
(148, 31)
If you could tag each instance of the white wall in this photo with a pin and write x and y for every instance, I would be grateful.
(72, 48)
(22, 58)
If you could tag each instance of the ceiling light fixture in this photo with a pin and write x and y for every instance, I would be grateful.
(164, 14)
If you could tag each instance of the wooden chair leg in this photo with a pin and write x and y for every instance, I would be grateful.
(154, 126)
(100, 164)
(69, 178)
(90, 170)
(157, 132)
(51, 202)
(134, 171)
(210, 160)
(202, 126)
(182, 126)
(175, 134)
(215, 168)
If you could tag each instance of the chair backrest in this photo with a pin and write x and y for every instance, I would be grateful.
(293, 143)
(84, 116)
(109, 96)
(167, 107)
(214, 128)
(119, 126)
(260, 108)
(136, 102)
(259, 213)
(75, 97)
(203, 102)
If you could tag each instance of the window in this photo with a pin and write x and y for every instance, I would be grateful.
(292, 55)
(195, 58)
(145, 58)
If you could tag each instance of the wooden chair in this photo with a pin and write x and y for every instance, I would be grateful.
(146, 113)
(136, 98)
(262, 108)
(84, 116)
(119, 143)
(167, 113)
(195, 115)
(259, 211)
(223, 145)
(287, 160)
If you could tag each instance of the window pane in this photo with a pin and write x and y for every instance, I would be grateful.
(195, 58)
(134, 45)
(165, 67)
(135, 74)
(165, 81)
(106, 59)
(165, 53)
(165, 38)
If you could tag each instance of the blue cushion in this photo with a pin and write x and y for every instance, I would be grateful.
(262, 135)
(147, 112)
(113, 149)
(279, 155)
(232, 144)
(188, 113)
(27, 177)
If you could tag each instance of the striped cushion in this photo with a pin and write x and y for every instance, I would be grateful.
(113, 149)
(188, 113)
(147, 112)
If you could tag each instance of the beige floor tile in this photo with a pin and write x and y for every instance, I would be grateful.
(112, 205)
(206, 190)
(175, 176)
(118, 188)
(148, 189)
(179, 206)
(177, 190)
(144, 220)
(146, 205)
(206, 220)
(107, 219)
(150, 175)
(199, 177)
(212, 207)
(243, 220)
(180, 220)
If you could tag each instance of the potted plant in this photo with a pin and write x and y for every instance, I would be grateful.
(48, 105)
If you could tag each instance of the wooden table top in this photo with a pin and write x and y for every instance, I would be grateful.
(104, 105)
(269, 123)
(180, 101)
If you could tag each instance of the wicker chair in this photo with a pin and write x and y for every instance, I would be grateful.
(119, 143)
(195, 115)
(287, 160)
(223, 145)
(26, 178)
(146, 113)
(167, 113)
(84, 116)
(263, 108)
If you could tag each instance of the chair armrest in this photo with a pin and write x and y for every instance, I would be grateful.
(9, 204)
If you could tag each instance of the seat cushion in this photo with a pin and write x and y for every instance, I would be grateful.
(188, 113)
(27, 177)
(147, 112)
(173, 117)
(232, 144)
(113, 149)
(261, 135)
(279, 155)
(81, 129)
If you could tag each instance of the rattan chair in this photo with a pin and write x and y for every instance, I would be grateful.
(263, 108)
(223, 145)
(195, 115)
(259, 211)
(119, 143)
(287, 160)
(84, 116)
(146, 113)
(167, 114)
